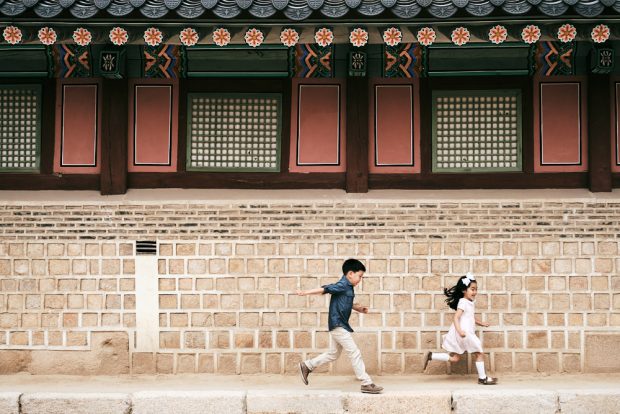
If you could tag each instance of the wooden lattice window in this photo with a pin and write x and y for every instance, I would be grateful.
(234, 132)
(20, 128)
(477, 131)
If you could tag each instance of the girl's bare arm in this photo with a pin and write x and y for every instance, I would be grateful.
(457, 322)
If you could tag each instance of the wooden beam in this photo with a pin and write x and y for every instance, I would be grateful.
(254, 180)
(599, 133)
(114, 127)
(357, 134)
(48, 119)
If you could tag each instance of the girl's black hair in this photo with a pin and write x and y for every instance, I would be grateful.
(455, 293)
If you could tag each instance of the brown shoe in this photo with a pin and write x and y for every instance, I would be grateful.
(372, 389)
(304, 371)
(487, 381)
(427, 359)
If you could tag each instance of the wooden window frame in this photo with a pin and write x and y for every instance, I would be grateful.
(45, 179)
(427, 179)
(236, 180)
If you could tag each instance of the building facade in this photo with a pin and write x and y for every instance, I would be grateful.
(306, 95)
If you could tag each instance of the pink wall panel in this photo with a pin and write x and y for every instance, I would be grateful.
(561, 127)
(153, 124)
(615, 145)
(394, 130)
(317, 133)
(77, 127)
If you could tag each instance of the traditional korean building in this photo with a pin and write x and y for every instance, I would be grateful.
(358, 95)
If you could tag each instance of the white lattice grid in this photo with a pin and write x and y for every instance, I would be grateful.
(477, 132)
(234, 132)
(18, 128)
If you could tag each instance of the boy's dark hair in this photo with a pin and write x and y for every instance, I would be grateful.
(352, 265)
(455, 293)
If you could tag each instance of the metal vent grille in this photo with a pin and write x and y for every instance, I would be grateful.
(146, 247)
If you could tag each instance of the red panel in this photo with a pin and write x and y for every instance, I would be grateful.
(560, 133)
(77, 127)
(152, 139)
(394, 130)
(393, 125)
(560, 120)
(318, 136)
(615, 153)
(317, 127)
(153, 125)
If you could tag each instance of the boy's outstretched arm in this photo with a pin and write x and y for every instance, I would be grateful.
(359, 308)
(317, 291)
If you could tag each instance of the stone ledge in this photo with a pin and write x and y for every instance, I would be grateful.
(188, 402)
(429, 402)
(75, 403)
(473, 399)
(597, 401)
(520, 401)
(9, 402)
(311, 402)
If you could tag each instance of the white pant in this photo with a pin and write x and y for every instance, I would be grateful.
(343, 340)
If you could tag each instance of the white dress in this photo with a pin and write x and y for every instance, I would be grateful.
(453, 342)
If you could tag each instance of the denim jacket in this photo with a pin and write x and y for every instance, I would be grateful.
(340, 304)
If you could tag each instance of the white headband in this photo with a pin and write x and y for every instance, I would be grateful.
(469, 277)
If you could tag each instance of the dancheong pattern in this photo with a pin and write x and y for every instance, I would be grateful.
(403, 61)
(555, 58)
(314, 61)
(162, 61)
(72, 61)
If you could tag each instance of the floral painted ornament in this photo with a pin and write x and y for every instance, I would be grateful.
(324, 37)
(12, 35)
(254, 37)
(82, 36)
(498, 34)
(289, 37)
(426, 36)
(530, 34)
(600, 33)
(221, 36)
(358, 37)
(188, 36)
(118, 36)
(392, 36)
(153, 36)
(460, 36)
(567, 33)
(47, 36)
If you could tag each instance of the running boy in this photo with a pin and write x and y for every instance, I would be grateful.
(340, 306)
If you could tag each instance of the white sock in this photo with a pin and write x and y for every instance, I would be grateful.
(436, 356)
(480, 368)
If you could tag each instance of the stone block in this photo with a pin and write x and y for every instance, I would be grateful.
(75, 403)
(293, 402)
(9, 402)
(402, 402)
(597, 350)
(188, 402)
(513, 401)
(589, 401)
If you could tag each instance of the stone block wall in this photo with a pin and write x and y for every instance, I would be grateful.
(227, 272)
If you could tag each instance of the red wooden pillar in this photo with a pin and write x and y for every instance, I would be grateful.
(599, 132)
(114, 118)
(357, 134)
